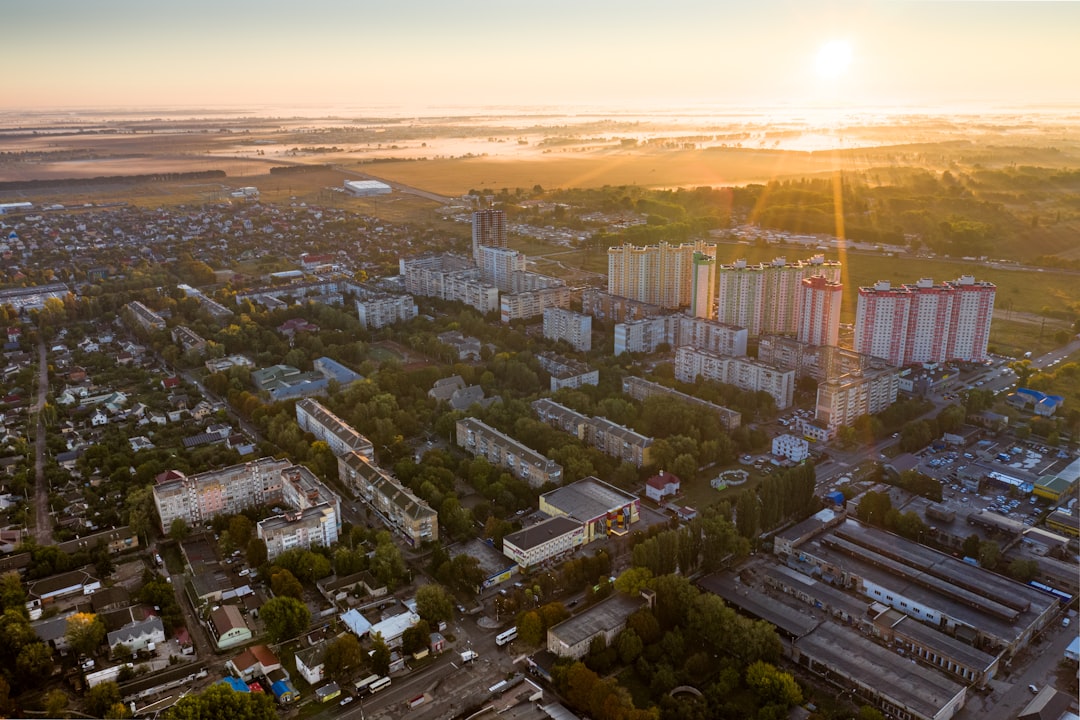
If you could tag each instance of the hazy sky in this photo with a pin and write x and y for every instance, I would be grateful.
(602, 53)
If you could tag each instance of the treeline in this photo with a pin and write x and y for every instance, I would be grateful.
(297, 169)
(704, 544)
(84, 182)
(784, 496)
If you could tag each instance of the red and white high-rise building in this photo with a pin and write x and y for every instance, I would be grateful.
(818, 311)
(925, 323)
(764, 298)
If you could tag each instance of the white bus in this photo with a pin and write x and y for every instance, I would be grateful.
(364, 685)
(505, 637)
(379, 684)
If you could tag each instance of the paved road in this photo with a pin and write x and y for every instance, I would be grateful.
(43, 521)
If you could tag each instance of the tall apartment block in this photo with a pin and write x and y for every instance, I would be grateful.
(925, 322)
(498, 266)
(818, 314)
(658, 274)
(197, 499)
(378, 311)
(646, 335)
(574, 328)
(642, 389)
(503, 451)
(144, 316)
(449, 277)
(703, 286)
(840, 400)
(488, 230)
(764, 298)
(605, 306)
(743, 373)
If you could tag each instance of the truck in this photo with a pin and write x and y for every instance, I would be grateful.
(468, 656)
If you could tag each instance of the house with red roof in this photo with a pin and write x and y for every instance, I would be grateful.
(662, 485)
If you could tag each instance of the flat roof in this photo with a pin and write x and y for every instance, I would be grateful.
(904, 585)
(599, 618)
(850, 604)
(789, 620)
(942, 644)
(542, 532)
(899, 679)
(816, 521)
(490, 561)
(588, 498)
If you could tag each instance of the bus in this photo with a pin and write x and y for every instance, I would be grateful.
(363, 686)
(505, 637)
(379, 684)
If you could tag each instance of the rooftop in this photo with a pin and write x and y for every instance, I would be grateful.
(588, 499)
(601, 617)
(542, 532)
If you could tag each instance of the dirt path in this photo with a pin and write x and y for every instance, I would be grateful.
(42, 521)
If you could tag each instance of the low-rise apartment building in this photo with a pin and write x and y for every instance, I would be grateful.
(313, 417)
(395, 504)
(503, 451)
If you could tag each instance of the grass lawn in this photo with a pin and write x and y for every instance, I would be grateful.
(381, 354)
(700, 494)
(1008, 337)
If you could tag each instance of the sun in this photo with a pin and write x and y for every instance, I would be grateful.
(833, 59)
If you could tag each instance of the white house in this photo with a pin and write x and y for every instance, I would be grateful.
(790, 447)
(99, 418)
(309, 661)
(138, 635)
(661, 486)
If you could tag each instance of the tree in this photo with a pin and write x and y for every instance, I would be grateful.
(343, 656)
(989, 554)
(434, 603)
(141, 511)
(416, 638)
(56, 701)
(380, 655)
(629, 646)
(34, 664)
(530, 628)
(12, 594)
(221, 701)
(85, 632)
(284, 583)
(102, 698)
(256, 552)
(387, 564)
(284, 618)
(772, 685)
(869, 713)
(1023, 570)
(179, 530)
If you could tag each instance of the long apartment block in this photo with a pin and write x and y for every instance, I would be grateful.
(395, 504)
(314, 418)
(606, 436)
(503, 451)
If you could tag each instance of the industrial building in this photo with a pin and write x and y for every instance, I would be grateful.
(366, 188)
(975, 605)
(572, 637)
